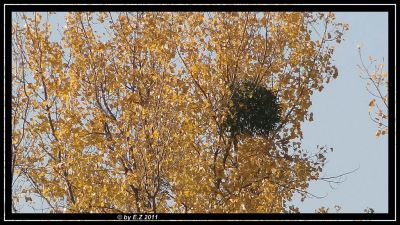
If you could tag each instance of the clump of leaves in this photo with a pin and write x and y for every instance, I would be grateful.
(253, 110)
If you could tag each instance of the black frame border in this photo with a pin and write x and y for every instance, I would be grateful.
(310, 5)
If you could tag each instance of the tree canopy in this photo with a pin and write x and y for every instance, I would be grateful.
(124, 111)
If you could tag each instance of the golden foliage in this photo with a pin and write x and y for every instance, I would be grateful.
(377, 85)
(122, 114)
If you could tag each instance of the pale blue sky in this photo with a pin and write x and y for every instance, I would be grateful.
(341, 121)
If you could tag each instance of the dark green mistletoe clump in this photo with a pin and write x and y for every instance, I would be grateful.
(253, 110)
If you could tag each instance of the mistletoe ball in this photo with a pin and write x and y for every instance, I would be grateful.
(254, 110)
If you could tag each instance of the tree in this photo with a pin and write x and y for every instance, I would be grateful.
(124, 112)
(377, 86)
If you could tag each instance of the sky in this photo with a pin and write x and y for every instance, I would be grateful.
(341, 121)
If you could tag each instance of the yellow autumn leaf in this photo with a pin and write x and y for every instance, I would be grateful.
(155, 134)
(371, 105)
